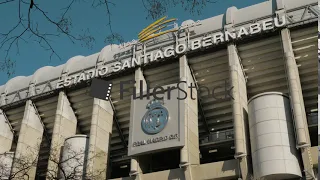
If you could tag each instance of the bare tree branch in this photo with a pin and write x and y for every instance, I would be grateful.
(158, 8)
(28, 29)
(7, 1)
(112, 37)
(70, 168)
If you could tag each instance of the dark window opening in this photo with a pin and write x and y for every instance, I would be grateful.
(313, 128)
(160, 161)
(42, 164)
(217, 146)
(119, 169)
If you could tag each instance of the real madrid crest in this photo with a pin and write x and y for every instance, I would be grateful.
(156, 118)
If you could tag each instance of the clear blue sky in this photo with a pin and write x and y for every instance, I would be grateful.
(128, 19)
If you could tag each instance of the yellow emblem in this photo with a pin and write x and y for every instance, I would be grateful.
(153, 30)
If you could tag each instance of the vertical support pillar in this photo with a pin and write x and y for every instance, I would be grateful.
(135, 169)
(6, 134)
(189, 154)
(65, 125)
(99, 140)
(239, 112)
(297, 105)
(239, 102)
(139, 78)
(6, 138)
(28, 146)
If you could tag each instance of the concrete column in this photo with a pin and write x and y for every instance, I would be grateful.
(29, 141)
(239, 103)
(99, 140)
(239, 112)
(74, 168)
(6, 134)
(189, 154)
(297, 104)
(135, 169)
(65, 125)
(139, 78)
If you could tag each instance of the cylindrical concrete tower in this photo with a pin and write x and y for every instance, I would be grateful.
(74, 155)
(6, 160)
(273, 146)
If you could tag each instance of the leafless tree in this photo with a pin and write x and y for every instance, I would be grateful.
(28, 28)
(69, 168)
(5, 165)
(23, 165)
(74, 165)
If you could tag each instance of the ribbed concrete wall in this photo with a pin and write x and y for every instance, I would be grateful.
(274, 153)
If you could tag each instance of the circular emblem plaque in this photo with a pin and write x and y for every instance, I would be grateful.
(155, 119)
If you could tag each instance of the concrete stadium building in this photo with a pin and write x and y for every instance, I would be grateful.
(260, 62)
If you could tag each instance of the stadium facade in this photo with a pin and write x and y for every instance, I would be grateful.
(259, 62)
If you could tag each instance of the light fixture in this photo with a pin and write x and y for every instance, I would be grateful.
(314, 110)
(124, 166)
(213, 150)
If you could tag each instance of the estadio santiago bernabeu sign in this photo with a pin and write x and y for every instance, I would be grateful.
(156, 124)
(180, 47)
